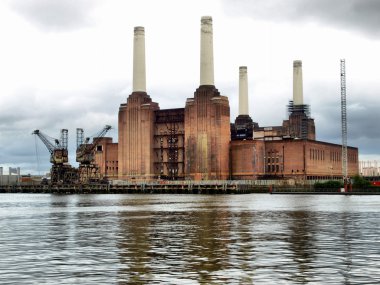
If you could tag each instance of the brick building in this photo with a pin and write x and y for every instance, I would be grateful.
(289, 158)
(198, 141)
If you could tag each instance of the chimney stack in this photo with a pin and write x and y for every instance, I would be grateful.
(207, 56)
(243, 91)
(297, 83)
(139, 76)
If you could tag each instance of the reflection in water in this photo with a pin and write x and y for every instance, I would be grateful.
(167, 244)
(190, 239)
(301, 243)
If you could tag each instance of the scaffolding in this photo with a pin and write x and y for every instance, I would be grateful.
(299, 116)
(169, 144)
(303, 109)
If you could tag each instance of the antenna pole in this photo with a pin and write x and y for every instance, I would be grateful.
(344, 117)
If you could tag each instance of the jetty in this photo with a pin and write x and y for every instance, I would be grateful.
(156, 187)
(186, 187)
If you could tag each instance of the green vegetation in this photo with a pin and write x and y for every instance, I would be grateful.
(328, 184)
(359, 182)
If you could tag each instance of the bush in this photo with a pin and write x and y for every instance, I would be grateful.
(328, 184)
(360, 182)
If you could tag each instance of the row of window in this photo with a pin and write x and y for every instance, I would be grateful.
(273, 161)
(335, 156)
(112, 168)
(316, 154)
(352, 157)
(114, 165)
(273, 168)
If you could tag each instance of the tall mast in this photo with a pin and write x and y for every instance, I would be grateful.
(343, 116)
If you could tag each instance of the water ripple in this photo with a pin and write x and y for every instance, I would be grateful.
(189, 239)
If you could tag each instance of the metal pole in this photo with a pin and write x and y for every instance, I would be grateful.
(344, 117)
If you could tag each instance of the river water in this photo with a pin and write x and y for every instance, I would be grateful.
(189, 239)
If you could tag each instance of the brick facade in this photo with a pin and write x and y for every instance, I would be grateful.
(304, 159)
(106, 158)
(247, 159)
(207, 135)
(136, 127)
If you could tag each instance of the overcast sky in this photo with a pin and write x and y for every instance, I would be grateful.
(68, 64)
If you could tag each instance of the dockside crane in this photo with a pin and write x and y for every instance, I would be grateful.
(61, 172)
(85, 155)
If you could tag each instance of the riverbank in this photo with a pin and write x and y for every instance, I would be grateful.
(188, 187)
(139, 188)
(300, 191)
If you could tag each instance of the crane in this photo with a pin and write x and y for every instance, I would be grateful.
(57, 148)
(85, 155)
(61, 171)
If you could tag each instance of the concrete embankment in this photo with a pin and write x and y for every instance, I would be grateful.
(140, 188)
(183, 187)
(324, 191)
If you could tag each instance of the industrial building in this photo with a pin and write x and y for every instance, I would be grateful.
(199, 142)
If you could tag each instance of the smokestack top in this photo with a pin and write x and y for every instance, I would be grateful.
(242, 68)
(206, 20)
(297, 63)
(206, 24)
(139, 30)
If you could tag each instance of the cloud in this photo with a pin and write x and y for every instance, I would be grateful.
(362, 118)
(52, 15)
(359, 15)
(50, 111)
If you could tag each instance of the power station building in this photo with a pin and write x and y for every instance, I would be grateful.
(198, 142)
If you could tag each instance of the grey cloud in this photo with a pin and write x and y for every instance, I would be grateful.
(87, 109)
(362, 118)
(359, 15)
(54, 15)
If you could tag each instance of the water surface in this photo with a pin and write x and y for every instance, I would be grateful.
(189, 239)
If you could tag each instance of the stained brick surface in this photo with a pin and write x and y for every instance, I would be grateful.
(207, 135)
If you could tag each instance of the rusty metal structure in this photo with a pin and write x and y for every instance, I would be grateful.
(61, 172)
(88, 171)
(169, 155)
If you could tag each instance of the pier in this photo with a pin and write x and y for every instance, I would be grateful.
(157, 187)
(209, 187)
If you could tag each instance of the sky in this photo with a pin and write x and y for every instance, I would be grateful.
(67, 64)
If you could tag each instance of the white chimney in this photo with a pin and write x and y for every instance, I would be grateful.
(243, 91)
(139, 81)
(297, 83)
(207, 56)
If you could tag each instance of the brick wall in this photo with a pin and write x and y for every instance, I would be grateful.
(136, 128)
(290, 158)
(207, 135)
